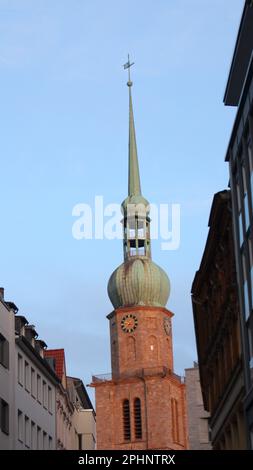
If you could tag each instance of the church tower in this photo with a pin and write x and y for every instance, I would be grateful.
(141, 405)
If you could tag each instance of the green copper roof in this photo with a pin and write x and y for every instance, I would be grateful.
(139, 281)
(134, 185)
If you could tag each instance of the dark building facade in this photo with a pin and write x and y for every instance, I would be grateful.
(217, 328)
(239, 93)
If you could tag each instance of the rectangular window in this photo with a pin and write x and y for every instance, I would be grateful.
(33, 436)
(4, 416)
(50, 401)
(240, 230)
(33, 383)
(39, 438)
(246, 211)
(238, 197)
(251, 185)
(44, 440)
(4, 351)
(39, 388)
(44, 394)
(141, 250)
(20, 370)
(131, 233)
(20, 426)
(250, 251)
(250, 156)
(50, 443)
(244, 179)
(27, 432)
(27, 376)
(80, 440)
(246, 300)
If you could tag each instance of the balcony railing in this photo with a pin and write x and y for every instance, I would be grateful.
(161, 371)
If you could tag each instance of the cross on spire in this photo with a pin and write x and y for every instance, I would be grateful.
(128, 65)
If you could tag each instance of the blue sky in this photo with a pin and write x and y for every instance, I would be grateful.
(64, 137)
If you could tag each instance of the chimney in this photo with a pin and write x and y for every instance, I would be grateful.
(20, 323)
(40, 346)
(1, 293)
(30, 333)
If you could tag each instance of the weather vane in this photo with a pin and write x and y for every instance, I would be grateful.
(128, 65)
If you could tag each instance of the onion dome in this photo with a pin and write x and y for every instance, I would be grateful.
(139, 281)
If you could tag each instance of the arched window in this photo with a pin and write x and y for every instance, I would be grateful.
(137, 418)
(152, 348)
(175, 417)
(126, 420)
(131, 349)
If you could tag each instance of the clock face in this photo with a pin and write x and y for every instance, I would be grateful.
(167, 325)
(129, 323)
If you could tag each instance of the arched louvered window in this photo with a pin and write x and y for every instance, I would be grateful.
(126, 420)
(137, 418)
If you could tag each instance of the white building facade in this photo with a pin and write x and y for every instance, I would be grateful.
(7, 379)
(35, 419)
(27, 385)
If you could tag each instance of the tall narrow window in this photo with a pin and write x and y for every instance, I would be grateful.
(131, 349)
(27, 376)
(137, 419)
(45, 393)
(33, 383)
(50, 401)
(39, 444)
(20, 426)
(175, 423)
(45, 446)
(20, 369)
(4, 351)
(33, 436)
(126, 420)
(27, 432)
(4, 416)
(39, 393)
